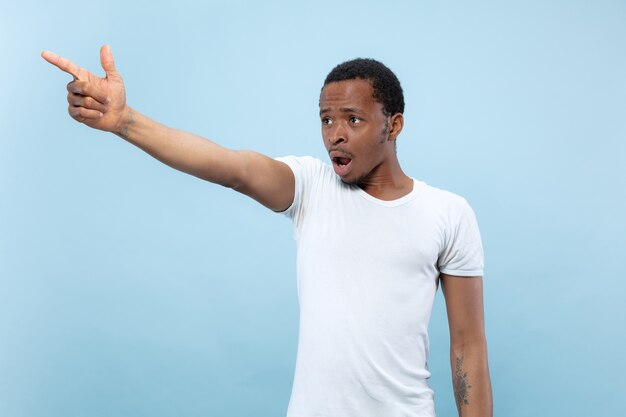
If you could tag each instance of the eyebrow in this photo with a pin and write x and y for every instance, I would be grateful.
(343, 110)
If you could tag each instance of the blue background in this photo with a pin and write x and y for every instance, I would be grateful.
(130, 289)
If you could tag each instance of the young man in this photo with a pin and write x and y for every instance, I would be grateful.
(373, 243)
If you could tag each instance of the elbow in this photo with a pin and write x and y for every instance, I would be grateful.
(462, 341)
(239, 174)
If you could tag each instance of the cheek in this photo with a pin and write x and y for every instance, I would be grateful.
(374, 146)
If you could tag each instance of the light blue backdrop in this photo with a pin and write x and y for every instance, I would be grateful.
(130, 289)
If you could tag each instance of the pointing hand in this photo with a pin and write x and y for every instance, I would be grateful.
(94, 101)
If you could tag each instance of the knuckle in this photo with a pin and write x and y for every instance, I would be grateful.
(77, 87)
(77, 113)
(92, 103)
(74, 100)
(83, 86)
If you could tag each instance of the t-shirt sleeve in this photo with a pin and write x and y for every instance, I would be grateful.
(462, 254)
(303, 169)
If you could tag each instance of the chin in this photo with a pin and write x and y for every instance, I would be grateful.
(353, 180)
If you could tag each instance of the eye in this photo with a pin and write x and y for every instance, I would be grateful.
(326, 121)
(355, 120)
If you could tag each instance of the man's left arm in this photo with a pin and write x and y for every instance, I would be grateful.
(468, 345)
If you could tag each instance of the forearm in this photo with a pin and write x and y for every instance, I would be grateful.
(181, 150)
(471, 381)
(100, 103)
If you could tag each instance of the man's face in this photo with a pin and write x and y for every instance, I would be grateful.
(355, 129)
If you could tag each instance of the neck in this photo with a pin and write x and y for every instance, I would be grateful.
(387, 182)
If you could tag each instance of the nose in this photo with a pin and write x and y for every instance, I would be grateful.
(337, 134)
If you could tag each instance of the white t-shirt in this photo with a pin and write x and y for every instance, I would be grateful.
(368, 272)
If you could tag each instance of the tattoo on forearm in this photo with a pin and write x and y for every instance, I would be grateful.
(461, 386)
(131, 120)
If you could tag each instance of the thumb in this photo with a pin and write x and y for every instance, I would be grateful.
(107, 62)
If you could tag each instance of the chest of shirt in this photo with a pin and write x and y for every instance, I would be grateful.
(408, 237)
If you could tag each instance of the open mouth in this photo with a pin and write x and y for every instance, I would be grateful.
(341, 164)
(341, 161)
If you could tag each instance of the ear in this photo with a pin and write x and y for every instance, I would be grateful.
(395, 126)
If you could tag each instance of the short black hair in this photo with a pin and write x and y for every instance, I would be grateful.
(386, 86)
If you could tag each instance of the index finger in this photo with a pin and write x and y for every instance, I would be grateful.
(61, 63)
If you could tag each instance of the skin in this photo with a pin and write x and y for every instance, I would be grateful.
(100, 103)
(354, 127)
(468, 345)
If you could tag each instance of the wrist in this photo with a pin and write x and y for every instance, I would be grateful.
(126, 121)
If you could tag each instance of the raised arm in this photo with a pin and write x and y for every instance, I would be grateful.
(100, 103)
(468, 345)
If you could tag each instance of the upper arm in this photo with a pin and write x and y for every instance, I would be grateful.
(464, 305)
(268, 181)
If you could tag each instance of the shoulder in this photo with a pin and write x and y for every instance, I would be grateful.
(440, 198)
(307, 166)
(451, 209)
(301, 162)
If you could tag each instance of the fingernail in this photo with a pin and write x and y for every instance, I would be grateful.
(108, 99)
(101, 114)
